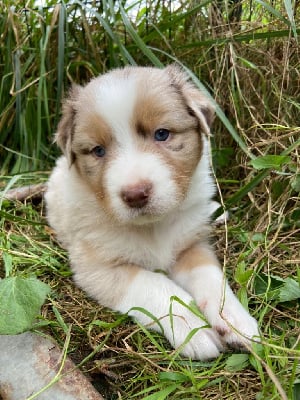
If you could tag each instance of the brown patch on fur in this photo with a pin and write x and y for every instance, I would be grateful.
(92, 131)
(197, 103)
(172, 147)
(195, 256)
(163, 106)
(66, 126)
(208, 113)
(221, 331)
(114, 276)
(183, 162)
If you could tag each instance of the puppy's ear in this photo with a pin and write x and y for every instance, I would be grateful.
(198, 104)
(66, 126)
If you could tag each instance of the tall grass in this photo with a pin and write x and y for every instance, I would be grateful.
(245, 54)
(235, 54)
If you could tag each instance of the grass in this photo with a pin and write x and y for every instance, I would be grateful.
(250, 64)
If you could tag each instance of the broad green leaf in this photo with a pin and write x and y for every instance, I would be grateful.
(269, 161)
(268, 286)
(237, 362)
(290, 290)
(20, 303)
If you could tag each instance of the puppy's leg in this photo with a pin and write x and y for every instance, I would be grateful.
(128, 288)
(199, 273)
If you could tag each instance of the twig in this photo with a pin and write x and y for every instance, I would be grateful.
(25, 192)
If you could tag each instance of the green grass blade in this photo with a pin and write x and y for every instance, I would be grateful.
(249, 37)
(61, 56)
(127, 58)
(273, 11)
(290, 12)
(138, 41)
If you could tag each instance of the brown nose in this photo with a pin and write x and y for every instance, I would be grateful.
(137, 196)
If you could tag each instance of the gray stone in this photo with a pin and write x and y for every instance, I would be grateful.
(28, 363)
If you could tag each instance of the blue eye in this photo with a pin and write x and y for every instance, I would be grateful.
(98, 151)
(161, 135)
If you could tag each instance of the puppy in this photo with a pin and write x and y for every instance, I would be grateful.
(131, 196)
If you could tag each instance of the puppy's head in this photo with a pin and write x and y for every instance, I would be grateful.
(135, 137)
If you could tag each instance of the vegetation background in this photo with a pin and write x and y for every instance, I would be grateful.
(246, 55)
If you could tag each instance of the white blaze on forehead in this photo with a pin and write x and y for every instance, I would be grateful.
(115, 99)
(132, 167)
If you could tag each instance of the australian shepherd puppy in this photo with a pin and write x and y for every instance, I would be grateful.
(130, 200)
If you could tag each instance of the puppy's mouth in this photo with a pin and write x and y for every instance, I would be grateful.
(147, 214)
(155, 210)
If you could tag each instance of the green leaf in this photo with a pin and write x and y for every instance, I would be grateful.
(8, 263)
(268, 286)
(290, 290)
(243, 297)
(237, 362)
(20, 303)
(269, 161)
(242, 275)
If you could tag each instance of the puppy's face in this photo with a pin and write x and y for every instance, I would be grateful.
(135, 137)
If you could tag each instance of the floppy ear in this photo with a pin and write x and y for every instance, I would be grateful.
(66, 126)
(196, 101)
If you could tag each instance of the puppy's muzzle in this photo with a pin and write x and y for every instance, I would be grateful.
(137, 196)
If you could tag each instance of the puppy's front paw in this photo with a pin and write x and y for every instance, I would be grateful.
(221, 307)
(205, 344)
(232, 322)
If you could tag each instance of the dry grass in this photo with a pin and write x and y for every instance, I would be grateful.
(122, 360)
